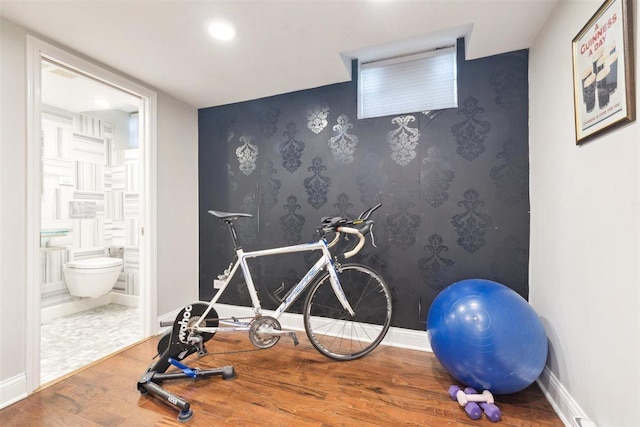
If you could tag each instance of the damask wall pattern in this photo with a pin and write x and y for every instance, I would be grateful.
(453, 184)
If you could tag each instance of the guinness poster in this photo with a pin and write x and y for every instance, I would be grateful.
(603, 75)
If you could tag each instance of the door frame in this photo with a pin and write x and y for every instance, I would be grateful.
(36, 50)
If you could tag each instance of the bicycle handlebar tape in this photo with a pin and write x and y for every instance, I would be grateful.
(358, 246)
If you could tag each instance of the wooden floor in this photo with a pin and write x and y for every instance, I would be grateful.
(284, 385)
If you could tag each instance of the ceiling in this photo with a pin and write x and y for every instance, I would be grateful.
(281, 46)
(71, 91)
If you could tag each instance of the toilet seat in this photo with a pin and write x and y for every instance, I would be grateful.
(94, 263)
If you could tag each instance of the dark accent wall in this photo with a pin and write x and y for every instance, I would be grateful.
(453, 184)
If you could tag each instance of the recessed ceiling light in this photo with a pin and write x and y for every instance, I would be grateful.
(102, 103)
(221, 30)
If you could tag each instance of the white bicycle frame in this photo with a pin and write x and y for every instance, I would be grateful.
(325, 261)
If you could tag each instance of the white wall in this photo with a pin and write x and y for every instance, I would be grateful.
(585, 236)
(177, 204)
(177, 233)
(13, 185)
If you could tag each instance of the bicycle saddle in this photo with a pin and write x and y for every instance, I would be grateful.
(229, 216)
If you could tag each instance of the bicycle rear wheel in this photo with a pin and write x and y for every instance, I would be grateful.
(332, 330)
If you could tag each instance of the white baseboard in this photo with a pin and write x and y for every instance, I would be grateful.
(124, 299)
(170, 317)
(408, 338)
(562, 402)
(396, 337)
(13, 389)
(48, 314)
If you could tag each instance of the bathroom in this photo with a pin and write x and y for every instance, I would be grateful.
(90, 294)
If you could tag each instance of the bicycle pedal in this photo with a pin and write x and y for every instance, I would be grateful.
(294, 338)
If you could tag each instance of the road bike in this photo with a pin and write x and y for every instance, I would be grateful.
(346, 313)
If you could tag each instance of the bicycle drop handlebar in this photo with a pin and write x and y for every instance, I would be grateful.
(367, 213)
(358, 227)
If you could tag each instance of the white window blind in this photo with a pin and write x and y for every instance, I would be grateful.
(420, 82)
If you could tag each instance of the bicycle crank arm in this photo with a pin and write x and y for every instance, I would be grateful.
(270, 332)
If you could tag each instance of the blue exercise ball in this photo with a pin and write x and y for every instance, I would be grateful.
(487, 336)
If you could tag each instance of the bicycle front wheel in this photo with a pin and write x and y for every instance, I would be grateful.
(331, 329)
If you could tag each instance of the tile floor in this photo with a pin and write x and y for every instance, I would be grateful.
(71, 342)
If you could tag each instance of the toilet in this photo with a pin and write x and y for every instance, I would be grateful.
(92, 277)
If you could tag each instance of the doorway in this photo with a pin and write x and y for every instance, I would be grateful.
(91, 187)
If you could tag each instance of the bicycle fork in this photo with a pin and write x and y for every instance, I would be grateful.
(337, 288)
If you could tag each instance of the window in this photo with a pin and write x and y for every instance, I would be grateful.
(420, 82)
(134, 130)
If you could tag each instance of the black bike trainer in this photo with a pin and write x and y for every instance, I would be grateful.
(174, 347)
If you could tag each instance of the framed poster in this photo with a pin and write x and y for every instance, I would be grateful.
(603, 71)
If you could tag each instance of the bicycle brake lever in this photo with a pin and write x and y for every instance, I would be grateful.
(373, 240)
